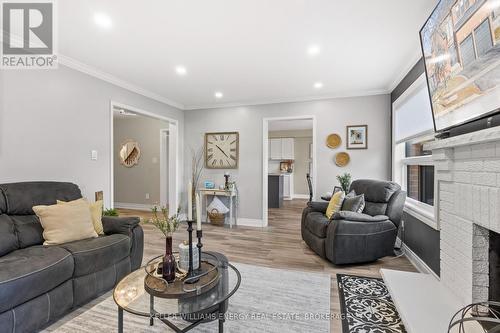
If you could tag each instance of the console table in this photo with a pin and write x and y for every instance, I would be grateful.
(204, 192)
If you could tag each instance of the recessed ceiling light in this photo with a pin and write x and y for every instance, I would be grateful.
(218, 94)
(318, 85)
(181, 70)
(103, 20)
(313, 50)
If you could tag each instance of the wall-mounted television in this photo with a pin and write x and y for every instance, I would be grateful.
(461, 48)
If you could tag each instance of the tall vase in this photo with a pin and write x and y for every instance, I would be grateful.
(168, 261)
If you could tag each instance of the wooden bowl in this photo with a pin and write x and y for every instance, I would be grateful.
(342, 159)
(333, 141)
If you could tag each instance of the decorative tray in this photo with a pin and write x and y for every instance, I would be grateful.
(183, 287)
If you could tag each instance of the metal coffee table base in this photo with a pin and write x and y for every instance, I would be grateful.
(220, 312)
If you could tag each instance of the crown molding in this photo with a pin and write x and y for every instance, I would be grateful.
(405, 70)
(89, 70)
(289, 100)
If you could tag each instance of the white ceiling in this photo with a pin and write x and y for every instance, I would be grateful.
(253, 51)
(287, 125)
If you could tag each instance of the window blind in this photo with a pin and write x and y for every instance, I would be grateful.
(412, 112)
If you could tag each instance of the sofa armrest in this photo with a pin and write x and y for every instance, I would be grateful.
(130, 227)
(318, 206)
(119, 225)
(358, 217)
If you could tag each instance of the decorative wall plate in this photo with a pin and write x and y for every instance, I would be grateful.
(130, 153)
(333, 141)
(342, 159)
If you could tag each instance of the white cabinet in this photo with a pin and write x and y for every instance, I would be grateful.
(287, 148)
(281, 149)
(288, 186)
(275, 149)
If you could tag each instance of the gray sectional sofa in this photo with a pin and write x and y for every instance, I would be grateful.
(39, 284)
(351, 237)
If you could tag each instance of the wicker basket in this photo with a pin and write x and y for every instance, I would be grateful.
(216, 218)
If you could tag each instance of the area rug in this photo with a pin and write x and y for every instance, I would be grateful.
(268, 300)
(367, 306)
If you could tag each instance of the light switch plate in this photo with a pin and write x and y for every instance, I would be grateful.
(93, 155)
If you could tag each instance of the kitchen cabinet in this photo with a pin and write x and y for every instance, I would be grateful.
(287, 186)
(275, 149)
(287, 149)
(275, 191)
(281, 149)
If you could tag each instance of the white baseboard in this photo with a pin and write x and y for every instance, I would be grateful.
(250, 222)
(417, 262)
(300, 196)
(126, 205)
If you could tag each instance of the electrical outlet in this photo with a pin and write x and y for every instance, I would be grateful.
(147, 195)
(93, 155)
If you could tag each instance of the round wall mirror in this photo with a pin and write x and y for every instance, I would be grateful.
(130, 153)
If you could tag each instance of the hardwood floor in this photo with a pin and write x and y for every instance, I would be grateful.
(279, 246)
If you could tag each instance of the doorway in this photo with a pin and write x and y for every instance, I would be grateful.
(288, 156)
(148, 175)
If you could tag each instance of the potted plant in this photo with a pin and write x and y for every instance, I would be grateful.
(345, 181)
(167, 225)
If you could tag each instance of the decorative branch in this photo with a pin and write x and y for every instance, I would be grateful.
(165, 223)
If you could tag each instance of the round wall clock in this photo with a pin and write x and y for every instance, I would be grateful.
(333, 141)
(222, 150)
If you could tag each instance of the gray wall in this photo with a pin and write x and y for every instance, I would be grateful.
(303, 138)
(50, 120)
(419, 237)
(332, 116)
(132, 184)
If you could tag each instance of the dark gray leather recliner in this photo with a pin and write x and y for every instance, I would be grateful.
(356, 237)
(39, 284)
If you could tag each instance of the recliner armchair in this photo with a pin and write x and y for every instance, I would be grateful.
(352, 237)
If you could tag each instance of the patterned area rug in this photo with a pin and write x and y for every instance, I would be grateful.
(268, 300)
(367, 306)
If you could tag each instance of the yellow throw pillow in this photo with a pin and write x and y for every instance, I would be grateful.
(335, 204)
(95, 212)
(65, 223)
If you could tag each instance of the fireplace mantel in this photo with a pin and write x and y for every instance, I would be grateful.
(483, 136)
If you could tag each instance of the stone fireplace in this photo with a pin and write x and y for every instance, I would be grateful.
(467, 209)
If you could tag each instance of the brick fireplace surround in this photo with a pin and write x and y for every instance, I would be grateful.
(467, 209)
(468, 206)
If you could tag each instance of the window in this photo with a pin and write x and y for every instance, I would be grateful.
(413, 166)
(483, 38)
(467, 49)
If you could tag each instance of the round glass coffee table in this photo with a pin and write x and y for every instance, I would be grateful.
(131, 296)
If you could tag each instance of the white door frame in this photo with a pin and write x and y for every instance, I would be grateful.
(173, 156)
(164, 165)
(265, 152)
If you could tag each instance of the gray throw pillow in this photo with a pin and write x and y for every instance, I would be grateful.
(354, 203)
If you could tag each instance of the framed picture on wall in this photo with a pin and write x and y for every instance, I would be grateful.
(357, 137)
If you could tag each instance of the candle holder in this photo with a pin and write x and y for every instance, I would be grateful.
(191, 276)
(199, 234)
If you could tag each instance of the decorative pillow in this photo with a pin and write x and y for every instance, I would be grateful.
(335, 204)
(65, 223)
(95, 212)
(354, 203)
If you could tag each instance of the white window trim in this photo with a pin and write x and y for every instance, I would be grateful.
(421, 211)
(417, 209)
(418, 160)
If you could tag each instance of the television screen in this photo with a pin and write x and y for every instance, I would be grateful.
(461, 48)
